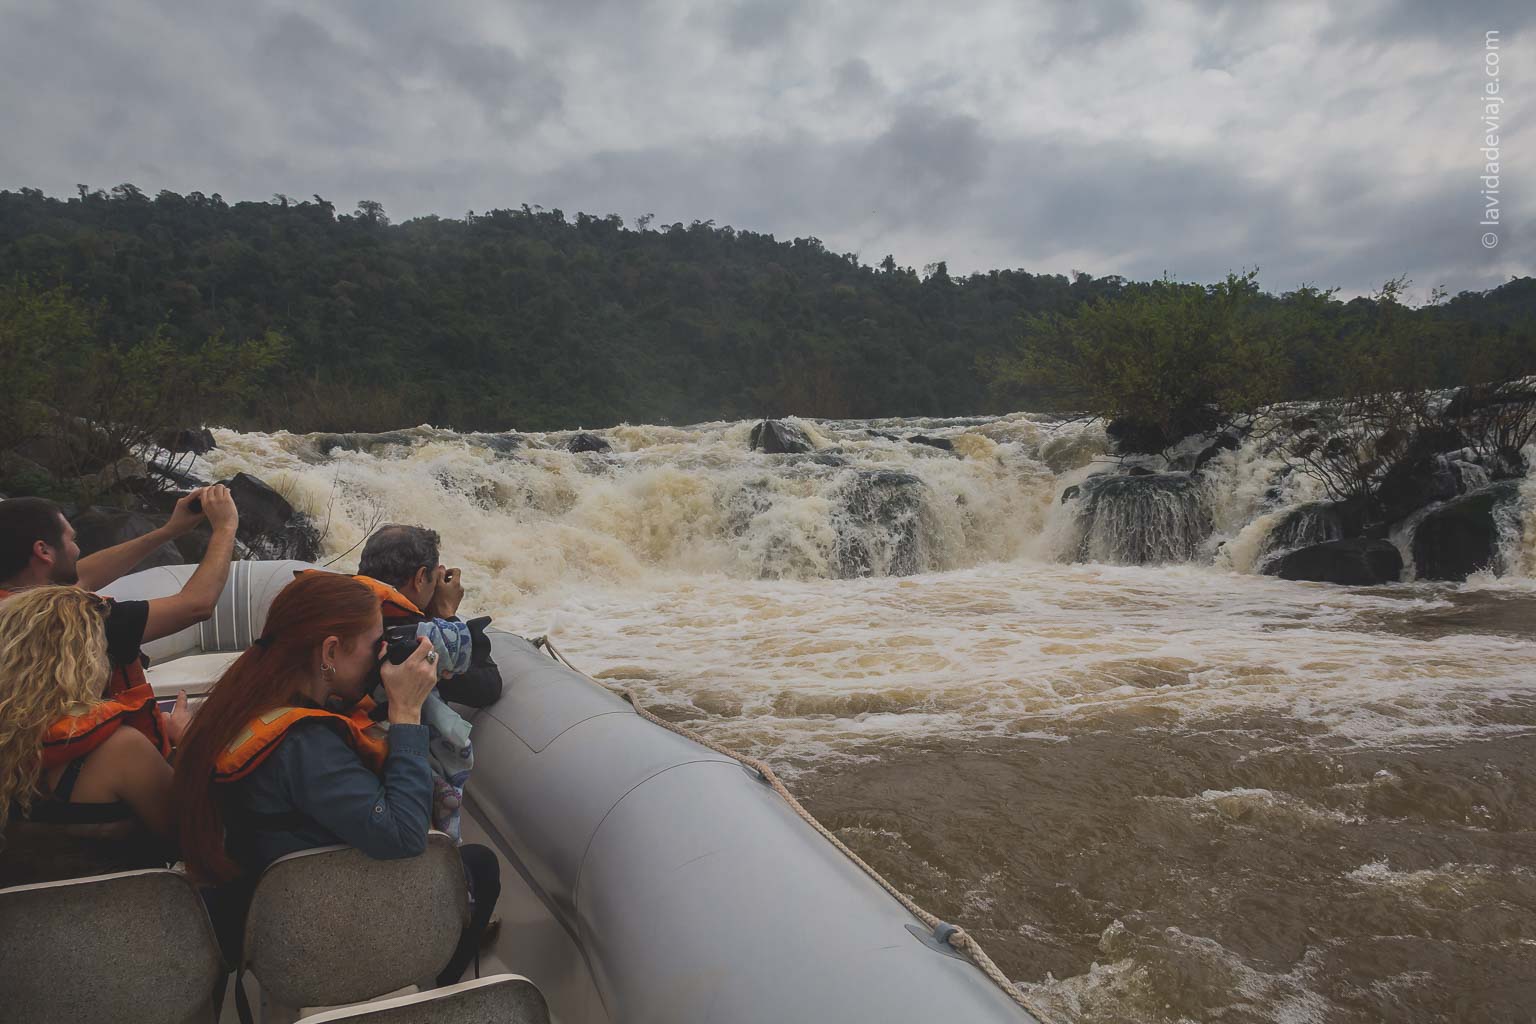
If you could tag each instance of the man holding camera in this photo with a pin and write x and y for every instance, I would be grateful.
(37, 548)
(417, 588)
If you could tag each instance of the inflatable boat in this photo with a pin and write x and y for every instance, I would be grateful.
(646, 878)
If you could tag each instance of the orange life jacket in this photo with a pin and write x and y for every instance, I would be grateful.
(390, 599)
(256, 742)
(75, 736)
(127, 677)
(122, 678)
(393, 603)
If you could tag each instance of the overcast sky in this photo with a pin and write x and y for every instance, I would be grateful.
(1334, 144)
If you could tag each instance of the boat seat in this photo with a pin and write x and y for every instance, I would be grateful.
(332, 926)
(116, 949)
(195, 673)
(501, 999)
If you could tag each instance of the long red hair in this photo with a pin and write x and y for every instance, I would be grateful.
(271, 674)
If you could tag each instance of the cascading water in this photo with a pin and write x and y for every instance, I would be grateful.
(864, 502)
(1141, 520)
(1158, 785)
(694, 499)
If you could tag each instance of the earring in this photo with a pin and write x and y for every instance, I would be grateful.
(329, 670)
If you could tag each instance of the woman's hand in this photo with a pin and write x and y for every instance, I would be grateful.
(410, 683)
(177, 721)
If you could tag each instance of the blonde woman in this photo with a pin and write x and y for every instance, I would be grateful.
(85, 786)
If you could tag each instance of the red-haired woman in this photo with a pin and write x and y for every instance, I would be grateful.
(284, 756)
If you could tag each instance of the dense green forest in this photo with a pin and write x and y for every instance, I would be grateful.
(527, 318)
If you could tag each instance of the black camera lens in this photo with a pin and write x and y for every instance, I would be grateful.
(400, 641)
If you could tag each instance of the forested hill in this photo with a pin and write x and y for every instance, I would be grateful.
(526, 318)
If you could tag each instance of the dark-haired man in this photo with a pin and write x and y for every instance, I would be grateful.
(418, 588)
(37, 548)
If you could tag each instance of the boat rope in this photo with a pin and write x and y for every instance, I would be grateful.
(944, 932)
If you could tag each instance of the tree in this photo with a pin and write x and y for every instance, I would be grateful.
(372, 211)
(79, 405)
(1166, 354)
(524, 317)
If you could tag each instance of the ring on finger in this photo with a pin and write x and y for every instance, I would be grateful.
(431, 657)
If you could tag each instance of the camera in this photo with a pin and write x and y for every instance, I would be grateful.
(401, 641)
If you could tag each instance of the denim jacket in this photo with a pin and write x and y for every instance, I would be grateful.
(338, 799)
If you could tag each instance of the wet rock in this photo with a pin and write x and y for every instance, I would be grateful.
(198, 442)
(502, 444)
(1226, 441)
(193, 545)
(585, 442)
(1475, 400)
(327, 443)
(942, 443)
(124, 473)
(1070, 493)
(98, 528)
(1464, 536)
(1317, 522)
(819, 459)
(776, 437)
(270, 527)
(175, 475)
(879, 532)
(1132, 436)
(1356, 562)
(1496, 464)
(68, 447)
(363, 442)
(1141, 520)
(1139, 471)
(1409, 485)
(1066, 452)
(1135, 436)
(883, 435)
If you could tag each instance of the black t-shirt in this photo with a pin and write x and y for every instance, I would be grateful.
(125, 631)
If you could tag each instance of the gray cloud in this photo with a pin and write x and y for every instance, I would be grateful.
(854, 79)
(1328, 147)
(1462, 23)
(752, 24)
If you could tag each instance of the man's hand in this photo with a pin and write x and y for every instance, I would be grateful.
(219, 507)
(184, 518)
(199, 596)
(448, 595)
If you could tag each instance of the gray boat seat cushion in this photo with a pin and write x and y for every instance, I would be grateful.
(331, 925)
(501, 999)
(115, 949)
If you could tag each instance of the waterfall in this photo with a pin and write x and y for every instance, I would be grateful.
(864, 501)
(1141, 520)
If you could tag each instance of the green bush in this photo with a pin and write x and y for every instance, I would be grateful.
(1160, 353)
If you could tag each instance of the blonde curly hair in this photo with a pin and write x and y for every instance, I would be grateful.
(53, 662)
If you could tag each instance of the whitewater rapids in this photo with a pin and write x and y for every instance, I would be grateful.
(1181, 791)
